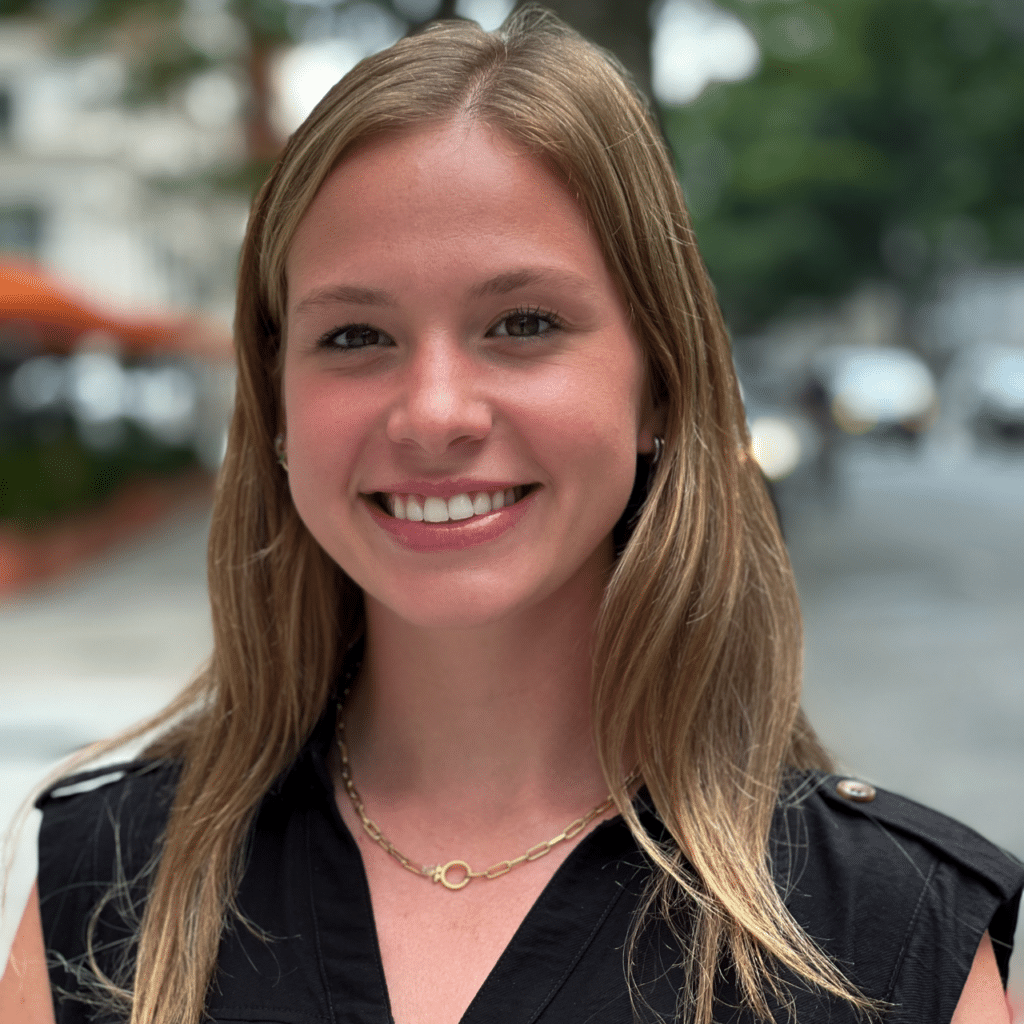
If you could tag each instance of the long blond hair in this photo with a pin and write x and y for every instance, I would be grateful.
(698, 649)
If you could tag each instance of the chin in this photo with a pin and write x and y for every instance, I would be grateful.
(470, 597)
(450, 606)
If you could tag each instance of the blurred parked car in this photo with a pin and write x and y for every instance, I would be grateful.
(883, 391)
(985, 385)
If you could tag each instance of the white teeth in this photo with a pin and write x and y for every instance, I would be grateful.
(460, 506)
(435, 510)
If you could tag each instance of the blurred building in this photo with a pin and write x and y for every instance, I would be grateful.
(118, 255)
(112, 198)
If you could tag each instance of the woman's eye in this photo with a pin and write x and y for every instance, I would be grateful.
(524, 324)
(356, 336)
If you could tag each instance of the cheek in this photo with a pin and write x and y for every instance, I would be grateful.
(604, 401)
(324, 438)
(322, 410)
(306, 400)
(588, 428)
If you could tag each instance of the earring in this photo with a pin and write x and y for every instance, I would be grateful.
(645, 466)
(659, 447)
(280, 452)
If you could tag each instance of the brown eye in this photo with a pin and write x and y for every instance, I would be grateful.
(357, 336)
(524, 324)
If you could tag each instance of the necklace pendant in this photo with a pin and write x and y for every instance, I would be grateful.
(440, 874)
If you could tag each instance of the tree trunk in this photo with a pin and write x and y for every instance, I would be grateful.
(262, 142)
(621, 26)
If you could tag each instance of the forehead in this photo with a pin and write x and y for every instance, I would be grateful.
(460, 198)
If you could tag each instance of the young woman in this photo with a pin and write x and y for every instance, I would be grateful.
(502, 720)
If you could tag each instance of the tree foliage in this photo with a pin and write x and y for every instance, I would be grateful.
(880, 139)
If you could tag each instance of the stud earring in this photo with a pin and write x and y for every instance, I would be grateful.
(659, 447)
(280, 452)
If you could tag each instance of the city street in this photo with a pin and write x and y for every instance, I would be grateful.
(913, 595)
(913, 598)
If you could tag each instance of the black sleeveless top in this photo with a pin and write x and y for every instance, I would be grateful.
(898, 895)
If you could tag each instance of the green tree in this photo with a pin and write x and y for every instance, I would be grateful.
(880, 139)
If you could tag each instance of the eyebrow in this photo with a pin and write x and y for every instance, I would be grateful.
(500, 284)
(346, 294)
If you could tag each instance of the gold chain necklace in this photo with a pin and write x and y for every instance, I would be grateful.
(440, 872)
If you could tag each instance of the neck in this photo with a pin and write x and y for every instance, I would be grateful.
(495, 715)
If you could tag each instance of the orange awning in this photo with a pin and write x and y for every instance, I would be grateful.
(56, 318)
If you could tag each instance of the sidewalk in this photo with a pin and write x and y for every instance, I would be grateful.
(94, 652)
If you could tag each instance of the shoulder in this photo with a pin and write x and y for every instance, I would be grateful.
(100, 830)
(119, 808)
(123, 779)
(98, 841)
(897, 891)
(873, 834)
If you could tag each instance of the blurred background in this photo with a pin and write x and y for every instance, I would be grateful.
(855, 171)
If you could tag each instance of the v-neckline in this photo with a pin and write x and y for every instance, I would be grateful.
(551, 938)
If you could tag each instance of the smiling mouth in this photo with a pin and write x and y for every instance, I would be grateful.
(422, 509)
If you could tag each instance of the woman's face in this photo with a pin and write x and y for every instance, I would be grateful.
(457, 354)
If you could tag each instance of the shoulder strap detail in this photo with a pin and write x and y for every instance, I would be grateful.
(955, 841)
(94, 778)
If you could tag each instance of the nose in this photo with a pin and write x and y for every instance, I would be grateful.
(440, 403)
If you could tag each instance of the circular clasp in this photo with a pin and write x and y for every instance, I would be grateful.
(441, 875)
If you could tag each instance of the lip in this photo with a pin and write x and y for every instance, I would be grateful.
(455, 535)
(445, 488)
